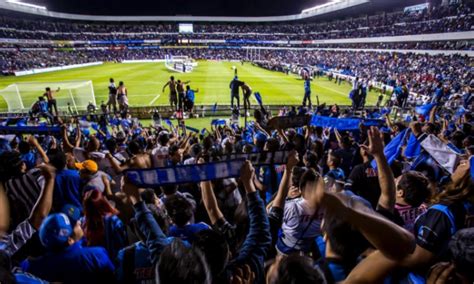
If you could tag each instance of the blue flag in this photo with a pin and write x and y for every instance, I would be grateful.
(343, 123)
(393, 149)
(424, 109)
(95, 126)
(258, 97)
(192, 129)
(167, 121)
(214, 108)
(218, 122)
(413, 148)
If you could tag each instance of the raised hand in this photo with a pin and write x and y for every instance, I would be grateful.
(247, 172)
(376, 146)
(48, 172)
(293, 160)
(243, 275)
(32, 140)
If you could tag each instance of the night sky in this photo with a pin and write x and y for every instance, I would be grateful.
(180, 7)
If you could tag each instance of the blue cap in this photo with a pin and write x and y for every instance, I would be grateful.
(260, 137)
(55, 231)
(72, 212)
(337, 174)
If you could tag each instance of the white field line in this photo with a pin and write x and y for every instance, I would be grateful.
(152, 101)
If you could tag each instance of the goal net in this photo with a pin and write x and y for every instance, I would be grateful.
(73, 95)
(181, 64)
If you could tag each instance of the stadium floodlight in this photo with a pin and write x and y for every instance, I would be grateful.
(17, 2)
(312, 9)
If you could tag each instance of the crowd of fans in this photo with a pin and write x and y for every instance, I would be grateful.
(421, 72)
(437, 19)
(341, 208)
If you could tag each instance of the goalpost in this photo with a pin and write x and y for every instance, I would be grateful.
(181, 64)
(73, 95)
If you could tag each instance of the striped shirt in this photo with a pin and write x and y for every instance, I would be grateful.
(12, 242)
(23, 192)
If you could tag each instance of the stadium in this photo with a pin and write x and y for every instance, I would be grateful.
(253, 141)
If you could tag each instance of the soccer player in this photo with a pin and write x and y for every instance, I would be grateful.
(307, 90)
(40, 108)
(181, 93)
(49, 94)
(190, 97)
(247, 92)
(234, 91)
(122, 97)
(173, 95)
(112, 96)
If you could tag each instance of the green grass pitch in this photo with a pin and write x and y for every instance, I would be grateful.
(145, 81)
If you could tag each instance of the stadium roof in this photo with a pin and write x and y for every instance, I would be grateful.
(179, 7)
(177, 10)
(198, 10)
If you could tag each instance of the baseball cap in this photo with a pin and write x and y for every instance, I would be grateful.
(55, 231)
(72, 212)
(336, 174)
(88, 165)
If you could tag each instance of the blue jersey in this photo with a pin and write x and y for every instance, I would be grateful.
(67, 189)
(74, 264)
(307, 85)
(134, 265)
(190, 95)
(43, 106)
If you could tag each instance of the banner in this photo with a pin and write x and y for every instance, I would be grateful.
(441, 153)
(49, 130)
(228, 168)
(343, 123)
(284, 122)
(184, 174)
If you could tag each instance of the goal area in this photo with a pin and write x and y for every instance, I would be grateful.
(181, 64)
(72, 95)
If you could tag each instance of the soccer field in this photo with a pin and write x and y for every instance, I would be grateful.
(145, 81)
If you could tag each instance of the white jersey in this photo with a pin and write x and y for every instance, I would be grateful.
(355, 85)
(299, 224)
(159, 156)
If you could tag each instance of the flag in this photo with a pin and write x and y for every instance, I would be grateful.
(413, 148)
(227, 167)
(424, 109)
(95, 126)
(258, 98)
(192, 129)
(385, 110)
(170, 124)
(441, 152)
(218, 122)
(393, 149)
(214, 108)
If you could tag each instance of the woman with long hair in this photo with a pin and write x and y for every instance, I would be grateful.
(102, 227)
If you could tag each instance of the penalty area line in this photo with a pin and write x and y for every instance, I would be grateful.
(154, 99)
